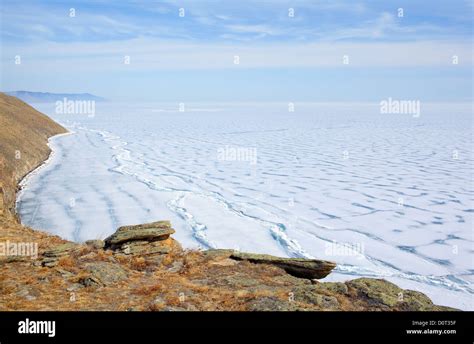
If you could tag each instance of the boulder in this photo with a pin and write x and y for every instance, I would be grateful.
(95, 244)
(379, 294)
(298, 267)
(377, 291)
(155, 231)
(150, 240)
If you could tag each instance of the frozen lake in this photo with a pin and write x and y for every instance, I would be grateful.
(383, 195)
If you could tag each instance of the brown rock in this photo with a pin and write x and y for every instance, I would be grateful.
(96, 244)
(298, 267)
(160, 230)
(218, 253)
(51, 257)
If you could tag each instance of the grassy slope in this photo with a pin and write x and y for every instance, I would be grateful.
(23, 139)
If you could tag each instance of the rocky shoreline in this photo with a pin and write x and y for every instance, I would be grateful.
(142, 268)
(151, 271)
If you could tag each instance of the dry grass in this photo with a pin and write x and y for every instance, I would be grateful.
(66, 262)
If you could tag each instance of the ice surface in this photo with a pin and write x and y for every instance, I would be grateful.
(383, 195)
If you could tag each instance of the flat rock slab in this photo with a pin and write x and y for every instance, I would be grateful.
(51, 257)
(160, 230)
(298, 267)
(61, 250)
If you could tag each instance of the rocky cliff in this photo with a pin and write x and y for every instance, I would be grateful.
(143, 268)
(23, 145)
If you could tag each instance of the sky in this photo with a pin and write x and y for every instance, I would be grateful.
(246, 50)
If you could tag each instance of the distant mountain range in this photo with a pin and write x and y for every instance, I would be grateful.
(46, 97)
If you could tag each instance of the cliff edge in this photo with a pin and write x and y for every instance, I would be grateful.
(23, 146)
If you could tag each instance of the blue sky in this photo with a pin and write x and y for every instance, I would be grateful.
(281, 58)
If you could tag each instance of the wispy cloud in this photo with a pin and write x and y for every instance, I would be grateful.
(207, 21)
(92, 46)
(152, 54)
(384, 27)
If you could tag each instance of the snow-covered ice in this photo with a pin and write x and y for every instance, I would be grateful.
(383, 195)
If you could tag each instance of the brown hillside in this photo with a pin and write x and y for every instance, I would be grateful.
(23, 139)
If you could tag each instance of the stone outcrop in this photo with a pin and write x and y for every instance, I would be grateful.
(150, 240)
(154, 231)
(149, 270)
(298, 267)
(385, 295)
(52, 256)
(95, 243)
